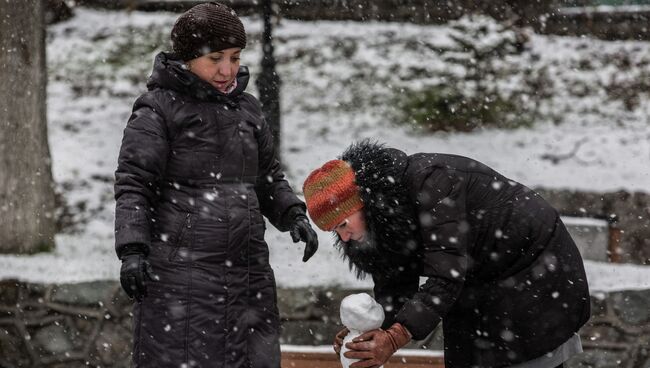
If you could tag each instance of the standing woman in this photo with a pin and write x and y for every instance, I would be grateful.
(196, 173)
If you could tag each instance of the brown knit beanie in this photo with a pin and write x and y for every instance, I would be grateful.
(331, 194)
(207, 28)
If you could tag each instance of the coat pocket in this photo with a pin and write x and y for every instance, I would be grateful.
(182, 247)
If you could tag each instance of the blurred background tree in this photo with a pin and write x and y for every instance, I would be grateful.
(27, 200)
(475, 91)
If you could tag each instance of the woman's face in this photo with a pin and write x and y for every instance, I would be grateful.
(352, 228)
(217, 68)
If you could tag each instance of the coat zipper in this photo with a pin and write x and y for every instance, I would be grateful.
(181, 235)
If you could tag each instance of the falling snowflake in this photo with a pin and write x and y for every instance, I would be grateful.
(555, 294)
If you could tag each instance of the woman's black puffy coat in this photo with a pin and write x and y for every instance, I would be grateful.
(502, 272)
(196, 173)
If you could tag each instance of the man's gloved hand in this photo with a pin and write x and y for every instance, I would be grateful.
(377, 346)
(338, 340)
(135, 273)
(301, 230)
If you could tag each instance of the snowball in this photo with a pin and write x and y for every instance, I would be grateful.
(361, 312)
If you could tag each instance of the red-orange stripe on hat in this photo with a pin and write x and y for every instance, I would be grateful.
(331, 194)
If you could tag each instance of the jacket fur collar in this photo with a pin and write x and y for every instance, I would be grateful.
(389, 214)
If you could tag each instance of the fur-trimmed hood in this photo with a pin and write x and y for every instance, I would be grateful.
(389, 214)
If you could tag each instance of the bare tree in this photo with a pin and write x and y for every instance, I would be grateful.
(27, 223)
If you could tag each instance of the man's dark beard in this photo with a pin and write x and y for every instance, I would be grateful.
(364, 255)
(362, 247)
(367, 257)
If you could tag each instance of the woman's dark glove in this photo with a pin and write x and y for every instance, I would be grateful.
(302, 231)
(135, 273)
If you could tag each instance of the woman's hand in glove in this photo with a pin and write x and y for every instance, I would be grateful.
(134, 274)
(302, 231)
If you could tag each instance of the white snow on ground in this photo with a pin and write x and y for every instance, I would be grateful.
(605, 9)
(77, 258)
(606, 277)
(338, 81)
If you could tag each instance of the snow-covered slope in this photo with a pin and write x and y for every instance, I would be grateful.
(339, 79)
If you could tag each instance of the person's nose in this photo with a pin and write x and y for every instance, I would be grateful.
(224, 69)
(344, 235)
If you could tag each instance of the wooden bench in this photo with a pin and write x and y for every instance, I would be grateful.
(300, 356)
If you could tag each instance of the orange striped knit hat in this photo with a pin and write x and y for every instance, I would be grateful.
(331, 194)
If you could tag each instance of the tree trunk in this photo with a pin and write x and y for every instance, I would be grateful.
(27, 223)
